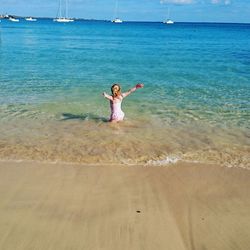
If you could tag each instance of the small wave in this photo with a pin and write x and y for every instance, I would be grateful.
(165, 161)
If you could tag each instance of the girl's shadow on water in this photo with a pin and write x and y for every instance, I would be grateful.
(84, 117)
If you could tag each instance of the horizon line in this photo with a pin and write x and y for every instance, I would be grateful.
(125, 21)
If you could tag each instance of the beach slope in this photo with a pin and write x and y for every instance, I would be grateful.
(66, 206)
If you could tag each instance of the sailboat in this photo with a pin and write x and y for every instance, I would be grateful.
(62, 14)
(116, 19)
(168, 21)
(30, 19)
(13, 19)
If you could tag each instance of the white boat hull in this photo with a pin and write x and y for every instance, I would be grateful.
(117, 20)
(31, 19)
(169, 22)
(63, 20)
(14, 20)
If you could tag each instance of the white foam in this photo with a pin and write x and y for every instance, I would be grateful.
(165, 161)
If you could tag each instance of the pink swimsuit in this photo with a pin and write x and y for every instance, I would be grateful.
(116, 111)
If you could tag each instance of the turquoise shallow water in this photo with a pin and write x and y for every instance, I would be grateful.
(196, 76)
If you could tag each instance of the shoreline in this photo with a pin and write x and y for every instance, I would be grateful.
(169, 161)
(68, 206)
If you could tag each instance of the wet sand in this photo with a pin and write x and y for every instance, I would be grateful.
(181, 206)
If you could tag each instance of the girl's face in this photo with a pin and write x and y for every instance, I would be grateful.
(116, 88)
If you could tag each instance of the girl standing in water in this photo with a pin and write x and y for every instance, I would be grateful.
(116, 101)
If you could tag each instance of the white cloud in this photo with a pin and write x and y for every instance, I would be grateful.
(226, 2)
(178, 1)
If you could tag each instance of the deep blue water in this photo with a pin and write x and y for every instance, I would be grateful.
(200, 67)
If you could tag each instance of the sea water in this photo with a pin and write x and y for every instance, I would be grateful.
(195, 105)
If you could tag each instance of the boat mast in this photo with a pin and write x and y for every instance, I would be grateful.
(60, 8)
(116, 10)
(66, 10)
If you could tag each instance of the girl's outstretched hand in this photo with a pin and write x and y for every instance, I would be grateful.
(139, 85)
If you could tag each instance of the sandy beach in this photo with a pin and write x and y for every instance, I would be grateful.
(66, 206)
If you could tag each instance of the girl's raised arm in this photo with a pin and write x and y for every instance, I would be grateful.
(137, 86)
(107, 96)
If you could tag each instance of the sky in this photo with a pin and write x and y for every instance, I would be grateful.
(236, 11)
